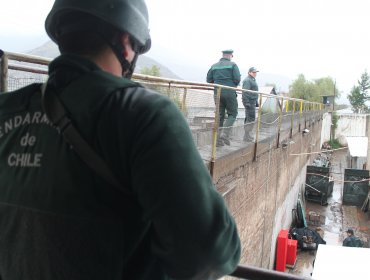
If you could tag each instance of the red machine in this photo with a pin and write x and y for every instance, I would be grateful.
(286, 253)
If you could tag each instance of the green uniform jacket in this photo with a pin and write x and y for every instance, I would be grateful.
(60, 220)
(352, 241)
(248, 97)
(224, 72)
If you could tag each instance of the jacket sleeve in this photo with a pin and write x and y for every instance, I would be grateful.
(245, 99)
(210, 78)
(194, 235)
(346, 242)
(236, 75)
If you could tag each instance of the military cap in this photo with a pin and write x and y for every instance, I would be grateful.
(229, 51)
(252, 69)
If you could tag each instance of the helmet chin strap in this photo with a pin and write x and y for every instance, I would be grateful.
(127, 67)
(119, 50)
(130, 71)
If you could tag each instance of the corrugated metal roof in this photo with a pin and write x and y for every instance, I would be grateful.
(357, 146)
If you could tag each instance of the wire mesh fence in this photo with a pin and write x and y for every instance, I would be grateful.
(18, 79)
(275, 119)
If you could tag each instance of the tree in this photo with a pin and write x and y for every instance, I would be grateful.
(303, 89)
(356, 99)
(153, 71)
(359, 94)
(313, 90)
(364, 84)
(326, 87)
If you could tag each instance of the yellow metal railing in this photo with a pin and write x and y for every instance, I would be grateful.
(197, 101)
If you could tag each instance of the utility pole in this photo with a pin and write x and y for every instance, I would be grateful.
(334, 97)
(332, 136)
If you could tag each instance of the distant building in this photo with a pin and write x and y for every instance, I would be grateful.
(327, 99)
(357, 152)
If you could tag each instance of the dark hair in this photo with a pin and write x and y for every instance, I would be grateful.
(88, 43)
(350, 231)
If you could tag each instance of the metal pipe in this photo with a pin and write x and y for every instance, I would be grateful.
(215, 130)
(258, 128)
(28, 58)
(292, 120)
(255, 273)
(28, 69)
(280, 122)
(183, 103)
(300, 115)
(313, 188)
(3, 72)
(196, 85)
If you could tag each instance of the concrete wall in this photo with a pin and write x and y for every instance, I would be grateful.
(326, 126)
(262, 194)
(348, 125)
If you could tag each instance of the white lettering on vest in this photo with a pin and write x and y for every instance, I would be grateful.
(24, 160)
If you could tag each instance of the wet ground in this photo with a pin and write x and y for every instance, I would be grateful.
(332, 220)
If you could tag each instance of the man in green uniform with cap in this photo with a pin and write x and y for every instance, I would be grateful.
(250, 102)
(59, 219)
(351, 240)
(225, 72)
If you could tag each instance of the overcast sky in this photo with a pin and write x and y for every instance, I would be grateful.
(317, 38)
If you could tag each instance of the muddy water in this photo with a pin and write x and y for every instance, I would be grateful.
(333, 219)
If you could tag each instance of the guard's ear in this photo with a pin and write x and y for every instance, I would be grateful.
(126, 44)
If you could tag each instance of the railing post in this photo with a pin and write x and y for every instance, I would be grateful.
(280, 121)
(305, 115)
(258, 127)
(215, 131)
(3, 72)
(300, 115)
(292, 120)
(183, 103)
(287, 106)
(169, 90)
(257, 273)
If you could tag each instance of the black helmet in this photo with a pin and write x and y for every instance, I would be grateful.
(129, 16)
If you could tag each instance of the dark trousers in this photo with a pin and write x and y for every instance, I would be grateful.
(249, 120)
(229, 105)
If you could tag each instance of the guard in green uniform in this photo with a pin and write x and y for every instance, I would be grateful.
(58, 218)
(250, 102)
(351, 240)
(225, 72)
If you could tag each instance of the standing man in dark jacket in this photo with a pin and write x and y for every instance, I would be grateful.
(225, 72)
(250, 102)
(59, 219)
(351, 240)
